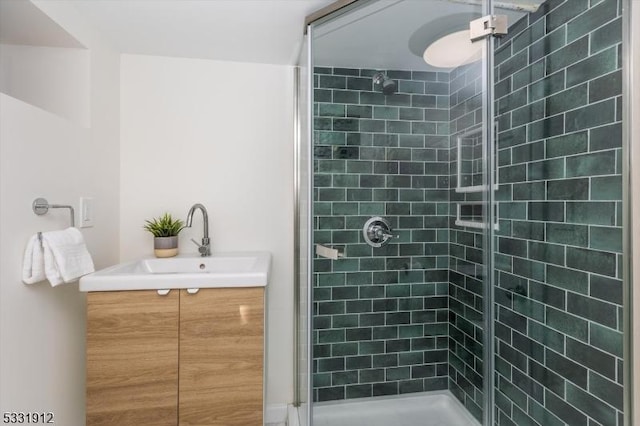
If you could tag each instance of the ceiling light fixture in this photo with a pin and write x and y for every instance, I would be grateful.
(452, 50)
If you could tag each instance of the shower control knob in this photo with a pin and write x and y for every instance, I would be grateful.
(377, 232)
(380, 233)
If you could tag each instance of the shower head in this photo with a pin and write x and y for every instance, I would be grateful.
(387, 85)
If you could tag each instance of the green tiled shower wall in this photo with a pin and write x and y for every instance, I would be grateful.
(559, 264)
(381, 314)
(466, 249)
(407, 317)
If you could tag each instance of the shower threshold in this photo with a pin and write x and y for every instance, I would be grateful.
(438, 408)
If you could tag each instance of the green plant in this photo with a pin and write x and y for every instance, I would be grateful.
(164, 226)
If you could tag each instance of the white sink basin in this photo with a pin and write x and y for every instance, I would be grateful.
(242, 269)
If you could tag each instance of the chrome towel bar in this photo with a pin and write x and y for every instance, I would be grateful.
(41, 206)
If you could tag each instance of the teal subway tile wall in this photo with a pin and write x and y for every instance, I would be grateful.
(381, 314)
(559, 285)
(466, 248)
(408, 317)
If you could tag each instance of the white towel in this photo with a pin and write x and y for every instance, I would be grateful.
(63, 256)
(33, 265)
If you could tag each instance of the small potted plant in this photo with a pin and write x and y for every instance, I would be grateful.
(165, 230)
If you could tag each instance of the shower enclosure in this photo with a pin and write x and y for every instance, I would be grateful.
(462, 214)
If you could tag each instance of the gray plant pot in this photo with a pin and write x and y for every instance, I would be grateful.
(165, 246)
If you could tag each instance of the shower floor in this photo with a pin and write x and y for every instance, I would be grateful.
(420, 409)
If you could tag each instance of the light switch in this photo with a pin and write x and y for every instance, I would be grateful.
(86, 212)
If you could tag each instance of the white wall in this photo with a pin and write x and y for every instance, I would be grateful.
(55, 79)
(43, 154)
(218, 133)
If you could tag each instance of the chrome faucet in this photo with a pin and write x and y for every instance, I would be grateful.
(204, 248)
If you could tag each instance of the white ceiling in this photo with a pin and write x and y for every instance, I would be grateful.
(384, 34)
(393, 34)
(378, 36)
(262, 31)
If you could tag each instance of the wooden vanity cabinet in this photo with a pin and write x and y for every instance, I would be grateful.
(179, 359)
(221, 357)
(132, 358)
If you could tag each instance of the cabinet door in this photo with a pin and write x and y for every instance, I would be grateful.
(132, 358)
(221, 357)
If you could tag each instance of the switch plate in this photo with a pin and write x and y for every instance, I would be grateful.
(86, 212)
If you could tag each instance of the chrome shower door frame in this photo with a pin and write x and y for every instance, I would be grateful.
(303, 231)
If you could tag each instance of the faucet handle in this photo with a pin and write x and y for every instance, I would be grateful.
(203, 248)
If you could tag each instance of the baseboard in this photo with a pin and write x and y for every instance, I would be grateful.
(275, 413)
(292, 416)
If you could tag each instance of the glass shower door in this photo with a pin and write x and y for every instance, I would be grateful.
(503, 181)
(404, 316)
(473, 226)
